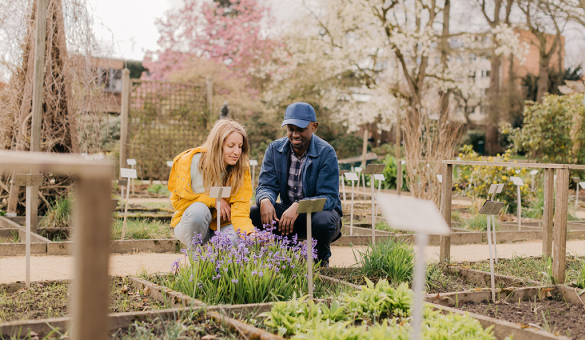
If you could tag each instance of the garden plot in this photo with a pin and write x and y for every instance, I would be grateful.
(50, 299)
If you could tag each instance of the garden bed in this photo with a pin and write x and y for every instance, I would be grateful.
(50, 299)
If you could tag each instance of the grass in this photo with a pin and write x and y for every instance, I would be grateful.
(14, 239)
(536, 269)
(157, 205)
(391, 259)
(142, 229)
(59, 214)
(160, 189)
(478, 223)
(456, 216)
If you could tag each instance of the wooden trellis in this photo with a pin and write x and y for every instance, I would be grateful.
(162, 119)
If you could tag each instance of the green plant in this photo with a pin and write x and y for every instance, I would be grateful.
(580, 281)
(160, 189)
(59, 213)
(391, 259)
(142, 229)
(2, 213)
(536, 206)
(456, 216)
(478, 223)
(390, 171)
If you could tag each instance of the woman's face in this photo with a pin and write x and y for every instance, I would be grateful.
(232, 148)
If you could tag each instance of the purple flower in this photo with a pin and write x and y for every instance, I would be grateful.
(261, 274)
(235, 280)
(175, 266)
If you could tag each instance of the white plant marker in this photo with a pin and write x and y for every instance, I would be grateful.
(308, 207)
(582, 184)
(422, 217)
(351, 176)
(495, 189)
(440, 179)
(170, 164)
(373, 169)
(380, 178)
(518, 183)
(341, 173)
(123, 183)
(361, 178)
(28, 181)
(218, 193)
(532, 173)
(132, 163)
(253, 164)
(491, 208)
(577, 180)
(129, 174)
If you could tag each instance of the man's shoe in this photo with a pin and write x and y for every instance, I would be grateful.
(324, 264)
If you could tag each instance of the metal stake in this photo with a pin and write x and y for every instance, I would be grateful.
(351, 217)
(309, 255)
(422, 239)
(28, 223)
(491, 258)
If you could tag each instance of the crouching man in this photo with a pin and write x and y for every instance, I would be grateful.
(300, 166)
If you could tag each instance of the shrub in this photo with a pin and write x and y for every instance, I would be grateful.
(59, 214)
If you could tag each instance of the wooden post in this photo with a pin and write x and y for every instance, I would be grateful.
(364, 152)
(445, 249)
(547, 216)
(92, 223)
(37, 102)
(125, 114)
(560, 229)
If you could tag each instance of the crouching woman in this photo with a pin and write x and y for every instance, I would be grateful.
(221, 161)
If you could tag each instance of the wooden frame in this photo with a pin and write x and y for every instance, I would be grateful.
(92, 223)
(561, 209)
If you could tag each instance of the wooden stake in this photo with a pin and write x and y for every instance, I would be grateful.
(126, 210)
(310, 255)
(445, 249)
(28, 223)
(125, 114)
(560, 229)
(547, 216)
(92, 223)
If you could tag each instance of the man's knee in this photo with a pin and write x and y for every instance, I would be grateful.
(325, 222)
(255, 216)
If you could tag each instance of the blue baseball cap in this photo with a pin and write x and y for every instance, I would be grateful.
(299, 114)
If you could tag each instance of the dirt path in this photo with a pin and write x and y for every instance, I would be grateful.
(61, 267)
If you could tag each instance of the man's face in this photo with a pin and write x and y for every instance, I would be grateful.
(300, 138)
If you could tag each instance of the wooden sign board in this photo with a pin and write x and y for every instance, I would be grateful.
(374, 169)
(131, 161)
(220, 192)
(170, 164)
(342, 172)
(123, 182)
(413, 214)
(128, 173)
(28, 180)
(351, 176)
(517, 180)
(253, 162)
(379, 177)
(491, 208)
(576, 179)
(496, 188)
(310, 206)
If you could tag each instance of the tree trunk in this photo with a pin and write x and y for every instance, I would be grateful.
(543, 81)
(494, 107)
(444, 113)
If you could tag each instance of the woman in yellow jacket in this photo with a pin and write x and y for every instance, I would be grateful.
(221, 161)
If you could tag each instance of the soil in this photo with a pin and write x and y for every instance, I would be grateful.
(51, 300)
(437, 282)
(551, 314)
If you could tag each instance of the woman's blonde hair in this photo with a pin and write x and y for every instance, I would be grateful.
(212, 165)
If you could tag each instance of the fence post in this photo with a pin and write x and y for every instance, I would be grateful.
(547, 216)
(125, 114)
(446, 192)
(560, 229)
(92, 222)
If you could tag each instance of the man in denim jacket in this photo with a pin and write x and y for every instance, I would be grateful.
(300, 166)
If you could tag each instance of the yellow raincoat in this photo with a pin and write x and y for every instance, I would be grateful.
(182, 195)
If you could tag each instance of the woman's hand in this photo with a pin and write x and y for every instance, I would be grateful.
(224, 210)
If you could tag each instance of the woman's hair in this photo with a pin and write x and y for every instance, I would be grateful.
(212, 165)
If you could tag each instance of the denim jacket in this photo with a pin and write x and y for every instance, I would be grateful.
(320, 175)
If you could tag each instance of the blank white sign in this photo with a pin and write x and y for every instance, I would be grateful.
(253, 162)
(533, 172)
(170, 163)
(131, 161)
(582, 184)
(128, 173)
(517, 180)
(379, 177)
(496, 188)
(351, 176)
(413, 214)
(358, 169)
(440, 178)
(223, 192)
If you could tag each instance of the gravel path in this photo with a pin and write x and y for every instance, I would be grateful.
(61, 267)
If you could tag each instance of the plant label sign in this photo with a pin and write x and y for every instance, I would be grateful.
(582, 184)
(576, 179)
(413, 214)
(440, 178)
(533, 172)
(517, 180)
(496, 188)
(342, 172)
(374, 169)
(170, 164)
(309, 206)
(131, 161)
(28, 180)
(253, 162)
(491, 208)
(358, 169)
(128, 173)
(220, 192)
(351, 176)
(123, 182)
(379, 177)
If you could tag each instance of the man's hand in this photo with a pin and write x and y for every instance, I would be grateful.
(224, 210)
(287, 220)
(267, 212)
